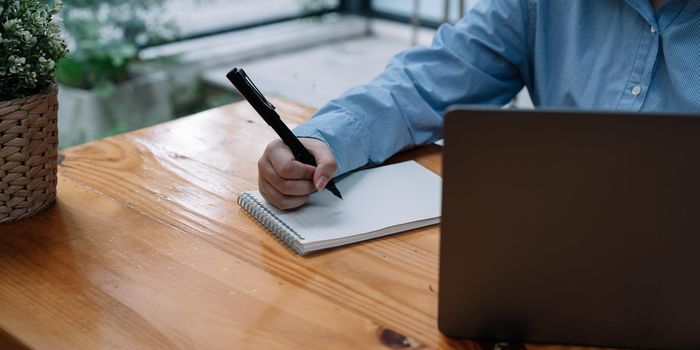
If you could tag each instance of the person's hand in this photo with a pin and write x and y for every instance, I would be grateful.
(287, 183)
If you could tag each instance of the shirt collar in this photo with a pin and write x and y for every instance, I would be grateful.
(664, 17)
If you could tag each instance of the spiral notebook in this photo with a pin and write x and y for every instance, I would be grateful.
(376, 202)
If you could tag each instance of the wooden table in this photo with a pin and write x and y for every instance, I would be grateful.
(147, 248)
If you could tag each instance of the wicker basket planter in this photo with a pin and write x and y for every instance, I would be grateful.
(28, 151)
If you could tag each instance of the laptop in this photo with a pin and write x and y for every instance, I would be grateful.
(571, 228)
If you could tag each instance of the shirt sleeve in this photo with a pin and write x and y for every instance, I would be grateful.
(478, 60)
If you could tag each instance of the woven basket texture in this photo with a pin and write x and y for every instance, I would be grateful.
(28, 150)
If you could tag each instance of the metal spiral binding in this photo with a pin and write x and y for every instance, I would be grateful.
(268, 219)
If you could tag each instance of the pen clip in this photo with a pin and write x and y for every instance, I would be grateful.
(255, 89)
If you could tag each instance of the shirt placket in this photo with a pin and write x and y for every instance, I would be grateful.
(639, 81)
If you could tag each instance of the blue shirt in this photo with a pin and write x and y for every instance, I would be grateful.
(586, 54)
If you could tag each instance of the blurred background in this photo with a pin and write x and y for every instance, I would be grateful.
(135, 63)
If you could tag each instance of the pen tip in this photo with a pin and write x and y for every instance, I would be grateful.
(331, 187)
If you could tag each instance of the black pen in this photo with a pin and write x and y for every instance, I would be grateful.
(267, 111)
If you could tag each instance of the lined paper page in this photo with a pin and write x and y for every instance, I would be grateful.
(373, 199)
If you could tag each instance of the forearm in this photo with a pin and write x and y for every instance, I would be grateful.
(477, 61)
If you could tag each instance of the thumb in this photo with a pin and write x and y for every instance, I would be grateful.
(326, 164)
(324, 173)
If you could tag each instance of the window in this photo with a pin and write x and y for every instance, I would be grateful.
(431, 12)
(201, 17)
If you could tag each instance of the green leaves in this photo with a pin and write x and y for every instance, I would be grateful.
(105, 37)
(314, 5)
(99, 69)
(30, 44)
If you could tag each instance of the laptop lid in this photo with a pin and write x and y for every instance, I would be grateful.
(571, 228)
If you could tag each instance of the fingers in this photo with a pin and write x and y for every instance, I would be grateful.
(283, 162)
(282, 181)
(282, 201)
(282, 184)
(285, 182)
(326, 165)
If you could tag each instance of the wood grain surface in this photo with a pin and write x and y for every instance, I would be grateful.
(147, 248)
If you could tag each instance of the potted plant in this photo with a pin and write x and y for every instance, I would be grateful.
(31, 44)
(104, 90)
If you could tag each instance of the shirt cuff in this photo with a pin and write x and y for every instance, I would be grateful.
(346, 136)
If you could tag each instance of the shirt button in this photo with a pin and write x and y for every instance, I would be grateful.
(653, 29)
(637, 90)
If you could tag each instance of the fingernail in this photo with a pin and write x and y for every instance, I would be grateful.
(321, 183)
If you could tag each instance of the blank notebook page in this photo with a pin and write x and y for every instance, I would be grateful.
(373, 199)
